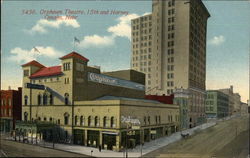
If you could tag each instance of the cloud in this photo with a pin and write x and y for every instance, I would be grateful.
(42, 24)
(123, 28)
(96, 41)
(21, 55)
(217, 40)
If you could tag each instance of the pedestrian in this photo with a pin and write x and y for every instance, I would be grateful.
(100, 148)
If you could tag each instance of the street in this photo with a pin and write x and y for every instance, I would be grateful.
(227, 139)
(16, 149)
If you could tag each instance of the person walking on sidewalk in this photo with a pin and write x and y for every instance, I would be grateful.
(100, 148)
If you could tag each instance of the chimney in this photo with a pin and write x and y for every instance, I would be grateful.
(231, 88)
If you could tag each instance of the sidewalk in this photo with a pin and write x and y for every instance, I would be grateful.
(136, 152)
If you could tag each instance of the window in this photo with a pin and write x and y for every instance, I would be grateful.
(149, 120)
(39, 99)
(39, 118)
(156, 119)
(96, 121)
(66, 66)
(25, 100)
(44, 119)
(105, 121)
(145, 120)
(66, 99)
(50, 99)
(50, 119)
(76, 120)
(81, 120)
(112, 122)
(25, 116)
(89, 121)
(25, 72)
(58, 121)
(66, 118)
(45, 99)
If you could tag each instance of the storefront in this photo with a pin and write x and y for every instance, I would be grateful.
(93, 138)
(79, 136)
(108, 140)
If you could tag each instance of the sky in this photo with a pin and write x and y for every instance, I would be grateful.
(103, 29)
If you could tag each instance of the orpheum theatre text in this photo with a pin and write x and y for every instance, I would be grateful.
(50, 14)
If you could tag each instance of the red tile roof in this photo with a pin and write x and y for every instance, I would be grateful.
(47, 71)
(34, 63)
(76, 55)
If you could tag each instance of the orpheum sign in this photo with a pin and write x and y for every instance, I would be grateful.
(103, 79)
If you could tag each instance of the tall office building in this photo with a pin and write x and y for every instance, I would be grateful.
(169, 46)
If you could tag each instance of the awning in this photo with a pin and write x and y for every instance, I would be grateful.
(111, 133)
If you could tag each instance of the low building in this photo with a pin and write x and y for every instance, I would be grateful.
(91, 108)
(234, 100)
(11, 108)
(217, 104)
(243, 108)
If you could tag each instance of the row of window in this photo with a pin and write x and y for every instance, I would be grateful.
(136, 52)
(6, 112)
(5, 102)
(66, 66)
(46, 80)
(145, 18)
(43, 99)
(142, 57)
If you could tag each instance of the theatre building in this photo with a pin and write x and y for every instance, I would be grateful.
(91, 108)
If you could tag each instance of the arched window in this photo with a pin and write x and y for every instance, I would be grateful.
(156, 119)
(39, 118)
(96, 121)
(81, 120)
(50, 119)
(105, 121)
(76, 120)
(39, 99)
(145, 120)
(89, 121)
(44, 119)
(66, 99)
(45, 99)
(149, 120)
(66, 118)
(159, 119)
(51, 99)
(112, 122)
(25, 116)
(25, 100)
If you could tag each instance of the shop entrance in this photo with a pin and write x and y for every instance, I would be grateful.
(93, 138)
(79, 136)
(109, 140)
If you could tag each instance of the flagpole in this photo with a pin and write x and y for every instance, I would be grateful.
(74, 45)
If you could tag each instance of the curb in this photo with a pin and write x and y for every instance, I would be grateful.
(49, 148)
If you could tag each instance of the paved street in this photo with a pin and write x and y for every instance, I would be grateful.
(15, 149)
(217, 141)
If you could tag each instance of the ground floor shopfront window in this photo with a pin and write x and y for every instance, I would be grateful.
(93, 138)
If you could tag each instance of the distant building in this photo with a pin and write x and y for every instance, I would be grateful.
(217, 104)
(244, 108)
(11, 108)
(234, 100)
(91, 108)
(170, 48)
(181, 98)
